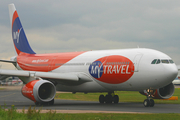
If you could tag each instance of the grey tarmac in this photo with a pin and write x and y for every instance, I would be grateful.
(13, 96)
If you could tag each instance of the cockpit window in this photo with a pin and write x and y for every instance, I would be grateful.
(171, 61)
(154, 61)
(158, 61)
(165, 61)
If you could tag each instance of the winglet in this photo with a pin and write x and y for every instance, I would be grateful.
(21, 43)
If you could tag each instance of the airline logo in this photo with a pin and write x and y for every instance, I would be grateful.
(96, 69)
(40, 61)
(16, 35)
(113, 69)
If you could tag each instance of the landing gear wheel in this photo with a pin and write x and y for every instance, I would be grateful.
(116, 99)
(108, 99)
(101, 99)
(38, 103)
(51, 102)
(45, 103)
(146, 103)
(151, 102)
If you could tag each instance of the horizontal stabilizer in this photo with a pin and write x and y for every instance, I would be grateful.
(8, 61)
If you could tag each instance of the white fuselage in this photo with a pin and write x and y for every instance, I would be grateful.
(144, 76)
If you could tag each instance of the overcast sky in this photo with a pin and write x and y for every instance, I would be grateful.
(81, 25)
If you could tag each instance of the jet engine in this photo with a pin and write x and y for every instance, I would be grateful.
(40, 91)
(161, 93)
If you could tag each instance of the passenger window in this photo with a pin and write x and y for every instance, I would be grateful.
(154, 61)
(158, 61)
(165, 61)
(171, 61)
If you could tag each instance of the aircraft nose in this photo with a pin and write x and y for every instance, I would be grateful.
(171, 72)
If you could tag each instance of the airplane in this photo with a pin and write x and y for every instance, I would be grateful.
(176, 81)
(148, 71)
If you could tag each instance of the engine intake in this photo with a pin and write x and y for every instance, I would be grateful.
(165, 92)
(39, 91)
(162, 93)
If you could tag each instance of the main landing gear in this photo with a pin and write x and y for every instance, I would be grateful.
(109, 98)
(149, 102)
(45, 103)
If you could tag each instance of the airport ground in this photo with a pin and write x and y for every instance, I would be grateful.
(11, 95)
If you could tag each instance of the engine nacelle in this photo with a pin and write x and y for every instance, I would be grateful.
(39, 91)
(161, 93)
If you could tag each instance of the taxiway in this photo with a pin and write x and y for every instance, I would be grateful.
(14, 97)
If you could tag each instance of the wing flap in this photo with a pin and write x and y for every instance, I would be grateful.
(18, 73)
(59, 76)
(48, 75)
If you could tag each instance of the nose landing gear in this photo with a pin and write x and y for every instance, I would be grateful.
(109, 98)
(149, 102)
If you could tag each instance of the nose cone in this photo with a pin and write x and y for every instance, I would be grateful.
(170, 72)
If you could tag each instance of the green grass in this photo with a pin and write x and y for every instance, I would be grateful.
(33, 114)
(124, 96)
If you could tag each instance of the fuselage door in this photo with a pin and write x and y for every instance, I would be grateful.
(136, 61)
(52, 64)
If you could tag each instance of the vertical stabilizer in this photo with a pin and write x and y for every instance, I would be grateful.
(21, 43)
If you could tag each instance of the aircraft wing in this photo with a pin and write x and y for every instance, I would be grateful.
(58, 77)
(51, 76)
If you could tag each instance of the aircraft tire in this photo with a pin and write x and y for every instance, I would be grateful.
(51, 102)
(38, 103)
(151, 103)
(146, 103)
(116, 99)
(108, 99)
(101, 99)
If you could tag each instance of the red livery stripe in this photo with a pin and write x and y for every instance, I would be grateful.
(15, 15)
(44, 62)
